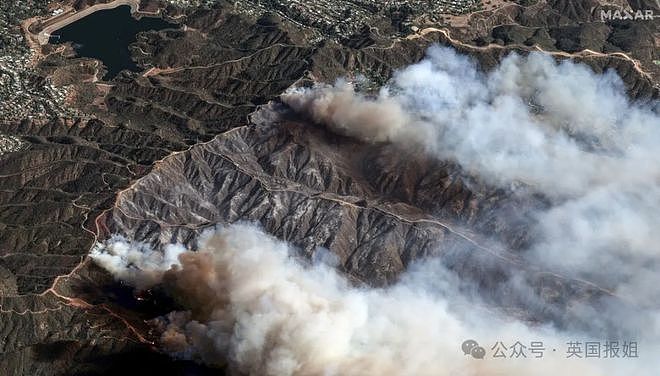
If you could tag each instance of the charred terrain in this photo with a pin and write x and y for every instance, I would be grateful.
(200, 137)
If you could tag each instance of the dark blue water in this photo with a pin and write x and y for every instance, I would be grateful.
(106, 34)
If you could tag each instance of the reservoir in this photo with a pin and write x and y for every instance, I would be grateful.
(106, 34)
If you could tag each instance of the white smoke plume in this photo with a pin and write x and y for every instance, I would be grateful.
(254, 306)
(557, 128)
(135, 262)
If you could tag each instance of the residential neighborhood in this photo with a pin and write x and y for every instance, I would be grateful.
(24, 94)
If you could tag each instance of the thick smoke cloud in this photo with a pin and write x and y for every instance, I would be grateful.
(135, 262)
(346, 113)
(253, 305)
(558, 127)
(555, 128)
